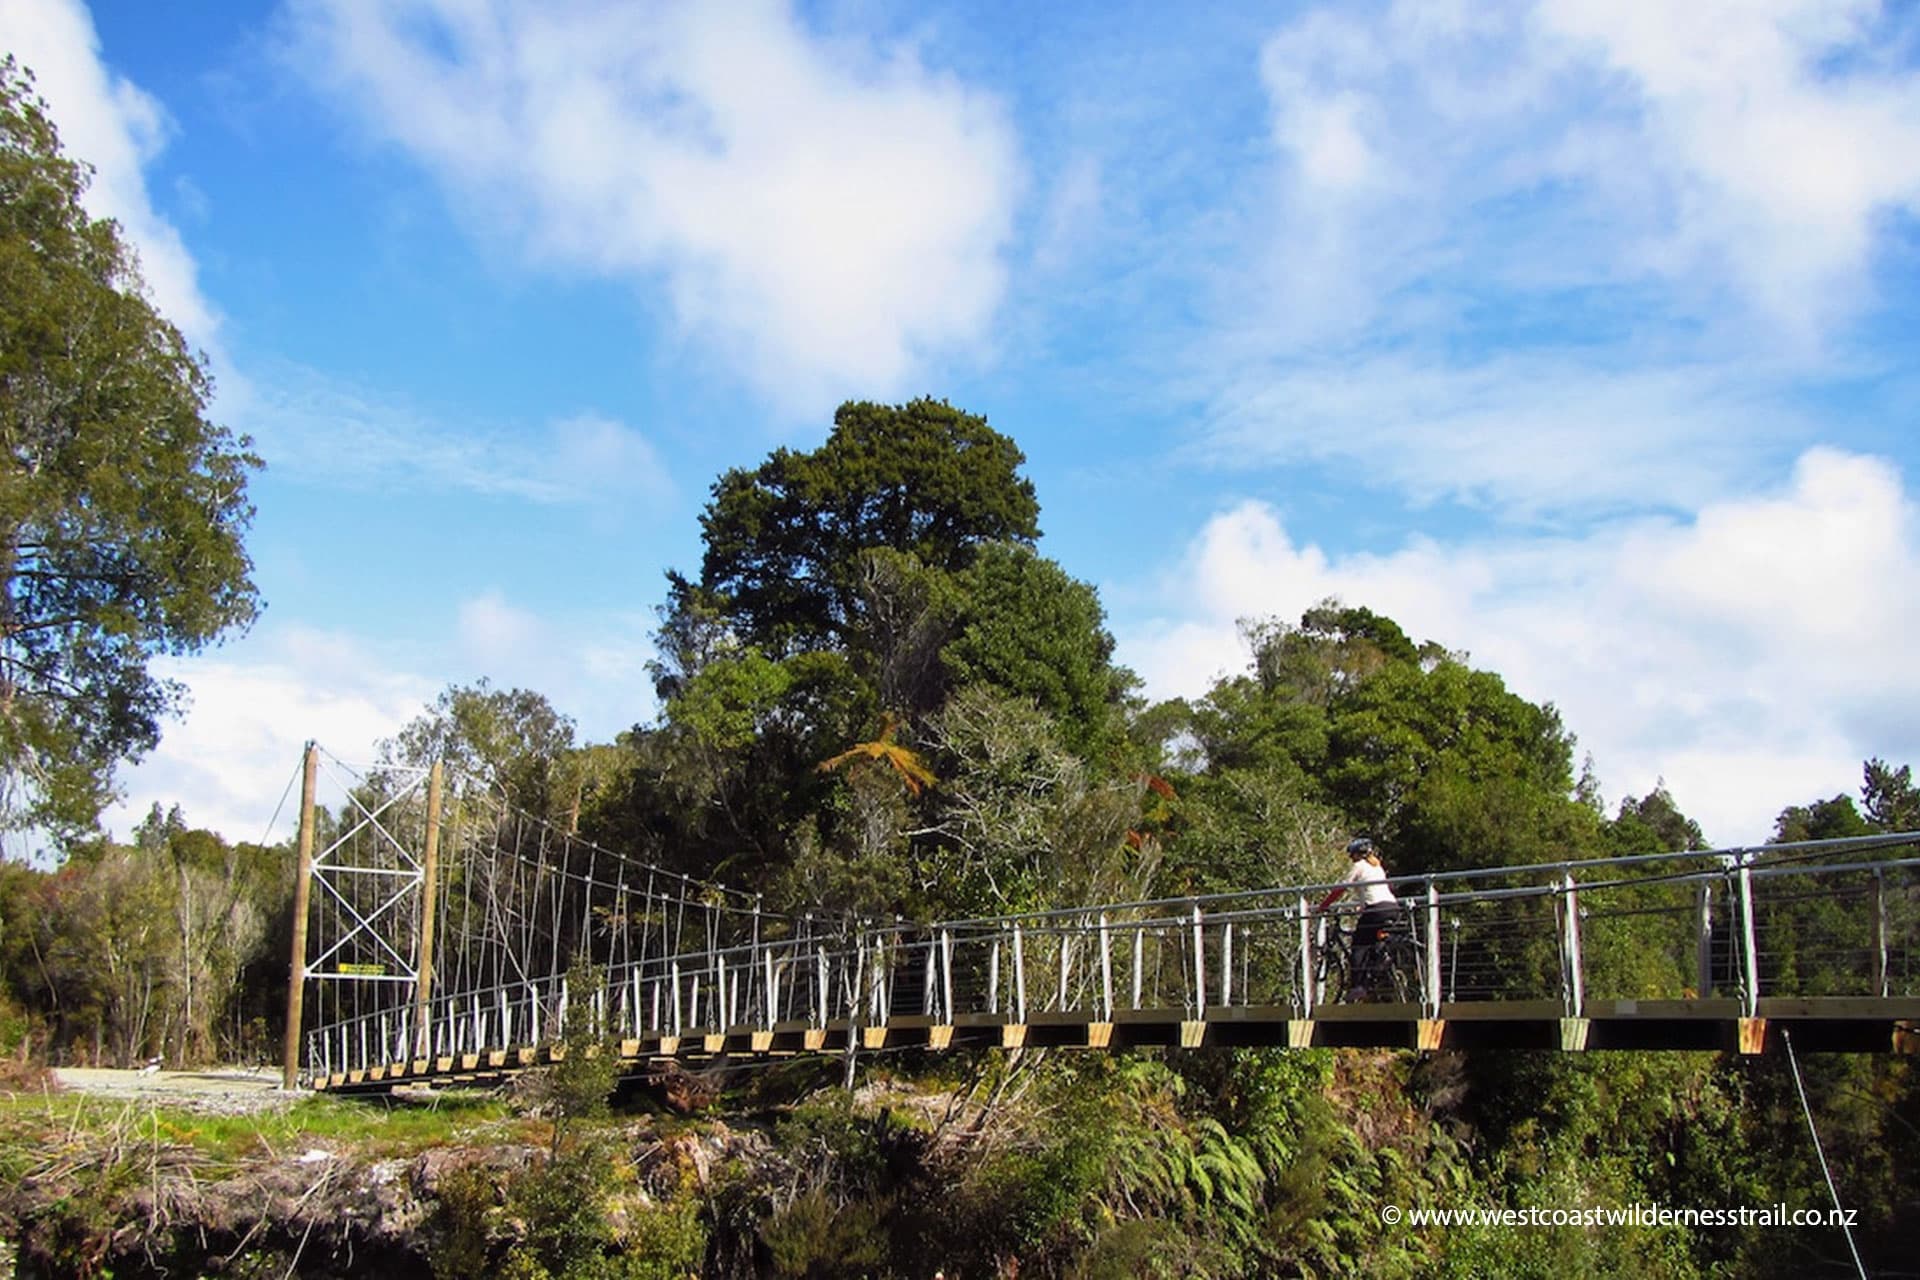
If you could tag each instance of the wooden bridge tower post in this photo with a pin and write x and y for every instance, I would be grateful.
(429, 900)
(297, 967)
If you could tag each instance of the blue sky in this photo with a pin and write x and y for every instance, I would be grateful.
(1574, 334)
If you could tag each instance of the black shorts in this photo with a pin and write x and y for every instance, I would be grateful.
(1374, 923)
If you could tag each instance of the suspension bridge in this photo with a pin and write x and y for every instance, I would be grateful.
(435, 928)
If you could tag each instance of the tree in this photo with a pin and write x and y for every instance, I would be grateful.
(123, 508)
(1831, 819)
(1033, 631)
(1653, 824)
(784, 542)
(510, 739)
(1892, 803)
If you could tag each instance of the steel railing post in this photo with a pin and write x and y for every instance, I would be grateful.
(1703, 942)
(1749, 948)
(1199, 966)
(1575, 991)
(1431, 996)
(1307, 993)
(1226, 966)
(1106, 971)
(1019, 978)
(1881, 987)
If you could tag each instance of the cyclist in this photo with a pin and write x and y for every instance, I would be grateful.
(1378, 907)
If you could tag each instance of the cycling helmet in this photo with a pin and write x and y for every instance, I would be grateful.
(1362, 848)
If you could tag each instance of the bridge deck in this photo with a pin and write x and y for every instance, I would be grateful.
(1814, 1024)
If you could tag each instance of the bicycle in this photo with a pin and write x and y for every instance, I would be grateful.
(1393, 968)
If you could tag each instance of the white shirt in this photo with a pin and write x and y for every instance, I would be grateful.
(1372, 879)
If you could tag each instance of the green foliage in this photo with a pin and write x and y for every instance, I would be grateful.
(1019, 820)
(173, 946)
(816, 1237)
(1831, 819)
(510, 739)
(784, 542)
(123, 509)
(1891, 802)
(1652, 824)
(1452, 769)
(462, 1226)
(576, 1090)
(1033, 632)
(562, 1209)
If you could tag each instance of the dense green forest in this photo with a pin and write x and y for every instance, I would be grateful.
(877, 695)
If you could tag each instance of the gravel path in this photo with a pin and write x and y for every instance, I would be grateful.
(216, 1089)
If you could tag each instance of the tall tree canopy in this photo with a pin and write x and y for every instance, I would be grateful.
(848, 599)
(1343, 723)
(512, 739)
(122, 507)
(784, 541)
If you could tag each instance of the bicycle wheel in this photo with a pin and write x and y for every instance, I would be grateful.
(1400, 970)
(1333, 974)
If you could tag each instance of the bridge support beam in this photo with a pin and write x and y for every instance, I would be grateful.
(297, 971)
(1573, 1034)
(1300, 1033)
(1193, 1034)
(1428, 1033)
(1753, 1035)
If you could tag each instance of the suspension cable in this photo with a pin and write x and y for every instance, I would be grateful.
(1806, 1109)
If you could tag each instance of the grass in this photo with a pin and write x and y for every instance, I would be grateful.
(372, 1128)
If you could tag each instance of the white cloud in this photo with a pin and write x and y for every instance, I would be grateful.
(313, 427)
(112, 124)
(1752, 656)
(1524, 433)
(230, 758)
(254, 704)
(1775, 155)
(1745, 151)
(829, 213)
